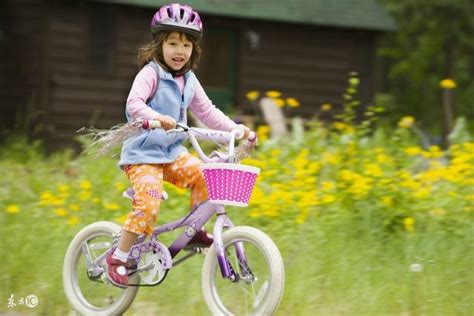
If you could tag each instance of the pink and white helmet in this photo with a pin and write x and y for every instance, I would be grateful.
(177, 17)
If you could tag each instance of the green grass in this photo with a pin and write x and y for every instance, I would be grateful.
(340, 265)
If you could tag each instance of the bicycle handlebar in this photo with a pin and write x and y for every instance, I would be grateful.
(194, 134)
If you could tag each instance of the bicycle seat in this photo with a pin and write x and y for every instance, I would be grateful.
(128, 194)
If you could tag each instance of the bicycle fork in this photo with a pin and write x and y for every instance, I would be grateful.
(227, 271)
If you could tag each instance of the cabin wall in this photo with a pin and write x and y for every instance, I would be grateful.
(71, 64)
(20, 62)
(308, 63)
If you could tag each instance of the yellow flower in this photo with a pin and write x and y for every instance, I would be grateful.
(119, 186)
(406, 122)
(13, 209)
(60, 212)
(85, 185)
(73, 220)
(408, 223)
(63, 188)
(422, 193)
(252, 95)
(74, 207)
(331, 158)
(262, 132)
(447, 84)
(433, 152)
(383, 159)
(327, 185)
(57, 202)
(413, 151)
(46, 198)
(328, 198)
(84, 195)
(292, 102)
(387, 200)
(373, 170)
(254, 214)
(111, 206)
(279, 102)
(339, 125)
(326, 107)
(302, 217)
(273, 94)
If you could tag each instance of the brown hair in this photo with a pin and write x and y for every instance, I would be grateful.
(154, 50)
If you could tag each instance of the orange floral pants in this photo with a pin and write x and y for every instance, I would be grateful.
(147, 184)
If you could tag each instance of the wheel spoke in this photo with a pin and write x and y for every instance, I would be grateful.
(87, 253)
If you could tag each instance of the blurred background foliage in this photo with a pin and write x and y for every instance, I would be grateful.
(433, 41)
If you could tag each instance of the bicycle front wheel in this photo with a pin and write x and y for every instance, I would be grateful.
(259, 286)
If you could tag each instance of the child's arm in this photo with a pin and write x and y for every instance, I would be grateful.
(143, 87)
(203, 109)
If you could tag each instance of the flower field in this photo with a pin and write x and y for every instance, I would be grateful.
(368, 223)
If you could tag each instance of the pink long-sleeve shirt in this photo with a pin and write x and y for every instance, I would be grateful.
(201, 106)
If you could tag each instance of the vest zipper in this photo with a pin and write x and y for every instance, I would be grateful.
(181, 109)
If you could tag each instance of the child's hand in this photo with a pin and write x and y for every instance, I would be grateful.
(245, 130)
(166, 121)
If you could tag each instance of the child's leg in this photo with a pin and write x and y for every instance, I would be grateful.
(185, 172)
(126, 241)
(147, 183)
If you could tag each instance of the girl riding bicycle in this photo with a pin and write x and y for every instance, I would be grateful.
(163, 90)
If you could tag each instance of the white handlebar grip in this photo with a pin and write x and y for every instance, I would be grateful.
(154, 124)
(252, 137)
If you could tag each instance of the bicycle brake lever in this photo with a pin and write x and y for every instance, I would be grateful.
(180, 127)
(183, 126)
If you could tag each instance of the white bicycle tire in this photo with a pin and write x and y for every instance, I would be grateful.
(74, 296)
(274, 262)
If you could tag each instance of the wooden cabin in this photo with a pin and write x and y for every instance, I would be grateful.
(68, 64)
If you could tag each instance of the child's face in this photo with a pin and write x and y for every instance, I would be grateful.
(177, 50)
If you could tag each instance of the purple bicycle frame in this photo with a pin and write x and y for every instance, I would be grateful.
(192, 222)
(196, 218)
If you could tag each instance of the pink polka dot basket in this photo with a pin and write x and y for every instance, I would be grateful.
(229, 184)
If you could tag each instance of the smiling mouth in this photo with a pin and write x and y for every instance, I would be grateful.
(178, 60)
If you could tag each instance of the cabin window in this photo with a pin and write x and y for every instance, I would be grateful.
(217, 68)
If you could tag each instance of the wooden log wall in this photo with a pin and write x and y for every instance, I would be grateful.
(91, 64)
(20, 47)
(73, 62)
(308, 63)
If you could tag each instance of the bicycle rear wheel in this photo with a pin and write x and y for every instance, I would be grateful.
(87, 296)
(259, 287)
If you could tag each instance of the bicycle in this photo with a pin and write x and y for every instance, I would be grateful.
(243, 271)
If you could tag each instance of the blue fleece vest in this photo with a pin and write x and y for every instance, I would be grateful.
(155, 146)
